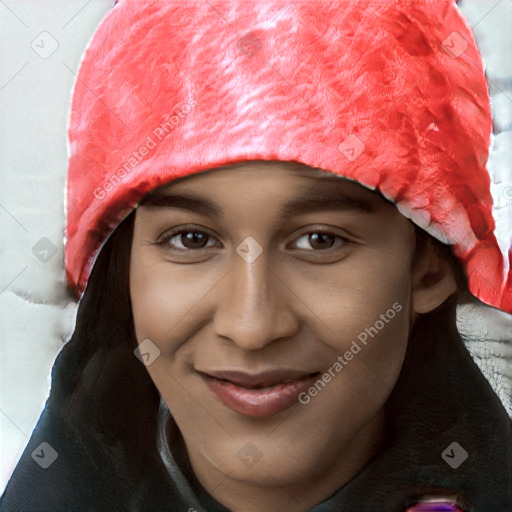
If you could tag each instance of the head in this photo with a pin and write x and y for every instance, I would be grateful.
(331, 286)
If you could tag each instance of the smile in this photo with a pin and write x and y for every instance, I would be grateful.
(259, 395)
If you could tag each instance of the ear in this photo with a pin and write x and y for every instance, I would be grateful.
(433, 280)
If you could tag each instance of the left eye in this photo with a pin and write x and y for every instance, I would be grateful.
(318, 240)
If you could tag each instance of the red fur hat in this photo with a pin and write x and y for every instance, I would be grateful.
(392, 94)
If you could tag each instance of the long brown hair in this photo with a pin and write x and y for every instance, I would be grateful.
(97, 381)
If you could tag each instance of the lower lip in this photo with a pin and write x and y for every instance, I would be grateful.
(259, 402)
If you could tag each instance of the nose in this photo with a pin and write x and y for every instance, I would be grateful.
(253, 309)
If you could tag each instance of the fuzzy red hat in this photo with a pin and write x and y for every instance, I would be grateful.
(391, 94)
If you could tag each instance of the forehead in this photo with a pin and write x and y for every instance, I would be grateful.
(272, 181)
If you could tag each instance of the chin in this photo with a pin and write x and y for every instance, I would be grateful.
(268, 462)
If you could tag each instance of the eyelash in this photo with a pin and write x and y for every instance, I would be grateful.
(166, 237)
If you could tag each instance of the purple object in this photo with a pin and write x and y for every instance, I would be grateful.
(442, 505)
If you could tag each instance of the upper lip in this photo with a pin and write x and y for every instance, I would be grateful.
(258, 380)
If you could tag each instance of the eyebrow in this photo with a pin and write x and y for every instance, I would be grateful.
(313, 202)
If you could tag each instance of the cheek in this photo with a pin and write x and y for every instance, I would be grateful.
(157, 306)
(364, 290)
(168, 301)
(161, 303)
(361, 373)
(146, 297)
(368, 314)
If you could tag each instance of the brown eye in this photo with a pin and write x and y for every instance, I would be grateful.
(193, 240)
(319, 241)
(184, 239)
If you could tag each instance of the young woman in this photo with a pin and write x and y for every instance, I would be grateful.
(273, 210)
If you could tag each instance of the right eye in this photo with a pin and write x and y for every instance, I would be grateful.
(190, 239)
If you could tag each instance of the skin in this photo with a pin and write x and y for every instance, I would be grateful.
(299, 304)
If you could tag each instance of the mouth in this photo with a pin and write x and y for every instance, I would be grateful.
(258, 395)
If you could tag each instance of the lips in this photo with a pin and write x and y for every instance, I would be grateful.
(259, 395)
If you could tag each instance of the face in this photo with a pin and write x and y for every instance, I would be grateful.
(279, 298)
